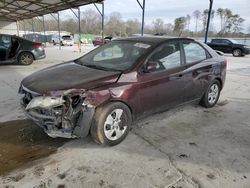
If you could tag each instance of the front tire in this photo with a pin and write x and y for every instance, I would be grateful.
(237, 53)
(211, 96)
(111, 124)
(25, 58)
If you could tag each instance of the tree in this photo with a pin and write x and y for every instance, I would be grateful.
(204, 19)
(179, 25)
(132, 27)
(90, 22)
(220, 12)
(158, 26)
(115, 25)
(229, 21)
(188, 19)
(237, 23)
(197, 16)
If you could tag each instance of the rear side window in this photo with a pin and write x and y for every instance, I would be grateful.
(194, 52)
(5, 41)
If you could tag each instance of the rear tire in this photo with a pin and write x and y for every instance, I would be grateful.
(111, 124)
(237, 53)
(211, 96)
(25, 58)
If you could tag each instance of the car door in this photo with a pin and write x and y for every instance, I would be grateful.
(161, 81)
(5, 46)
(198, 64)
(225, 46)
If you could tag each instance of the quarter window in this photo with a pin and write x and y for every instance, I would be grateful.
(194, 52)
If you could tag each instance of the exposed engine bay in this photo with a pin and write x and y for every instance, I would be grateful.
(66, 115)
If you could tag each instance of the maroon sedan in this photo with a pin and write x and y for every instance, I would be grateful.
(102, 92)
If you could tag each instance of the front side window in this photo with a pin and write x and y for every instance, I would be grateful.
(194, 52)
(116, 55)
(165, 58)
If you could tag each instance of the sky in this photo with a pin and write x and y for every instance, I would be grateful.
(168, 10)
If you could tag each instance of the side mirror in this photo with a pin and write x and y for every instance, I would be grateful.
(151, 66)
(219, 53)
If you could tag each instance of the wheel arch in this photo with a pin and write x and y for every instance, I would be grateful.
(118, 101)
(220, 81)
(26, 51)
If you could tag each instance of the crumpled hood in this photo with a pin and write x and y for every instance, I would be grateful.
(68, 76)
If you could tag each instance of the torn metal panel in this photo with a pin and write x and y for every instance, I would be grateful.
(65, 116)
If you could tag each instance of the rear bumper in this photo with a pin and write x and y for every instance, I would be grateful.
(41, 57)
(39, 54)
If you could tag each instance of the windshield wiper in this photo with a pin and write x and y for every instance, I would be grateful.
(100, 67)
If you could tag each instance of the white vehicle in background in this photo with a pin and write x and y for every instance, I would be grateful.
(65, 40)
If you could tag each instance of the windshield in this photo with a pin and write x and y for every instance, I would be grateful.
(116, 55)
(234, 41)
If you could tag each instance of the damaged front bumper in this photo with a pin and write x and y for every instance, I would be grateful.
(66, 116)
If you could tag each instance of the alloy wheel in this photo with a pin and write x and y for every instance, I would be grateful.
(213, 94)
(113, 126)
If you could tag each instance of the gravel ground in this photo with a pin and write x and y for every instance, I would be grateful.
(185, 147)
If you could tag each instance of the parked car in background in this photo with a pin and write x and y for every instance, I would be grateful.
(98, 41)
(14, 49)
(229, 46)
(102, 92)
(65, 40)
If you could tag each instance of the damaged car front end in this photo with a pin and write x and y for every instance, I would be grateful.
(61, 114)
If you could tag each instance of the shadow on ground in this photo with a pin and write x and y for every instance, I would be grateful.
(22, 142)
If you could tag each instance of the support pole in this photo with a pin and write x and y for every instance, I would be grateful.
(24, 27)
(102, 15)
(208, 19)
(79, 28)
(33, 26)
(143, 15)
(78, 16)
(59, 30)
(45, 37)
(102, 22)
(17, 27)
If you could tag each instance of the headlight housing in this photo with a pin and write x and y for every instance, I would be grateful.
(247, 47)
(45, 102)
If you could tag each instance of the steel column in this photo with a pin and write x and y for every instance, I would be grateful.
(208, 19)
(59, 31)
(102, 14)
(143, 15)
(45, 37)
(17, 27)
(103, 22)
(79, 24)
(33, 26)
(24, 27)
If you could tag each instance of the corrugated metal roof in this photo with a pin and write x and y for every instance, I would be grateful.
(13, 10)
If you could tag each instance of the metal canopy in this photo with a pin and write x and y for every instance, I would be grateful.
(14, 10)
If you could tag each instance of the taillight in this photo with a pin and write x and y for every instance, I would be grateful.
(38, 45)
(225, 61)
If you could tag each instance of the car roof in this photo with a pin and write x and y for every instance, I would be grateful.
(151, 39)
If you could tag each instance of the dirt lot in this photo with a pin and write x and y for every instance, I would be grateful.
(185, 147)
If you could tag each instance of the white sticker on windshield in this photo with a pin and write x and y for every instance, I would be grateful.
(142, 45)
